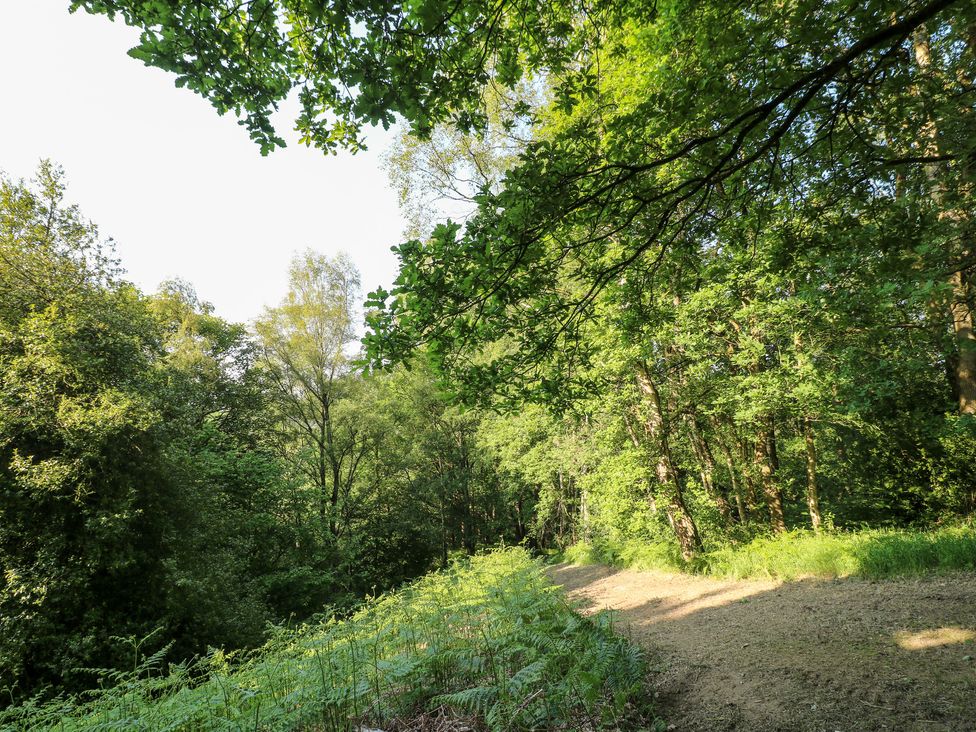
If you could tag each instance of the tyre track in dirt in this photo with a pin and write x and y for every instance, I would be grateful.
(812, 655)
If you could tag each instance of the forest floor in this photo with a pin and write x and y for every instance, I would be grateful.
(805, 656)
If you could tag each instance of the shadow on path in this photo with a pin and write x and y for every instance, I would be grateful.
(811, 655)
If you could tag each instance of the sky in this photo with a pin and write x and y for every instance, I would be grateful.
(181, 190)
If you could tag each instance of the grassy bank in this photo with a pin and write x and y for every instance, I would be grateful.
(489, 641)
(869, 553)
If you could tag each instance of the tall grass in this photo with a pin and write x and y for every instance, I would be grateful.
(870, 553)
(491, 640)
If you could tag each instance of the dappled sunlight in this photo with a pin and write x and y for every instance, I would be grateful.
(685, 600)
(690, 602)
(804, 654)
(669, 597)
(934, 638)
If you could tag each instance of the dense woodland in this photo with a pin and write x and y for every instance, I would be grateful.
(711, 278)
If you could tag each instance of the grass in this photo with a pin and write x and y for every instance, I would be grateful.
(490, 641)
(870, 553)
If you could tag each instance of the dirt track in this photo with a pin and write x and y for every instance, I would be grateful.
(804, 656)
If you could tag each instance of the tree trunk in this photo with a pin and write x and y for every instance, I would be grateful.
(651, 500)
(767, 476)
(706, 462)
(444, 540)
(961, 303)
(336, 484)
(584, 510)
(323, 470)
(519, 521)
(328, 455)
(748, 475)
(771, 446)
(962, 325)
(468, 527)
(813, 500)
(740, 503)
(669, 489)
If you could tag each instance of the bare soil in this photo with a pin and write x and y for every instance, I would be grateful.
(814, 655)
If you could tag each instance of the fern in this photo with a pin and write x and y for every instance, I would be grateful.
(489, 638)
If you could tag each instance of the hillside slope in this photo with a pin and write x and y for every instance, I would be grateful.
(486, 644)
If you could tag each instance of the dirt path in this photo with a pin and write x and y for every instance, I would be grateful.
(804, 656)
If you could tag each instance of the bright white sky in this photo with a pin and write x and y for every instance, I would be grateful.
(182, 191)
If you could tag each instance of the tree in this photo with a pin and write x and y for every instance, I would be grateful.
(47, 248)
(444, 173)
(305, 344)
(601, 192)
(77, 417)
(648, 152)
(137, 490)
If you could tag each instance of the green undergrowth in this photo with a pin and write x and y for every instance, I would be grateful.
(873, 553)
(490, 641)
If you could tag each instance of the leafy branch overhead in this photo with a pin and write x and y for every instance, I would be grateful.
(666, 119)
(351, 63)
(698, 118)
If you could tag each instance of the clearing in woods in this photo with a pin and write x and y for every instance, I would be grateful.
(803, 656)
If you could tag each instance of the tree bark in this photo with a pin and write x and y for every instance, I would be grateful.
(651, 500)
(706, 462)
(584, 509)
(767, 476)
(813, 499)
(519, 521)
(334, 463)
(740, 503)
(961, 296)
(668, 485)
(748, 475)
(771, 445)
